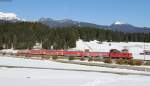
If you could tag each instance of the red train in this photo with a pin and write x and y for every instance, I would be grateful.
(77, 53)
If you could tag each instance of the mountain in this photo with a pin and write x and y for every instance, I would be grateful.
(66, 23)
(57, 23)
(116, 26)
(8, 17)
(125, 27)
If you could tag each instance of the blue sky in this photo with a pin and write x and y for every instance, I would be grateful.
(104, 12)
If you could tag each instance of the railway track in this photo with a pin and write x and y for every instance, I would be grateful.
(146, 69)
(108, 65)
(80, 70)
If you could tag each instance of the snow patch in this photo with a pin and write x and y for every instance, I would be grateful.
(119, 23)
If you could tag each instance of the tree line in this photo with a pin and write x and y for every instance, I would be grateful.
(24, 35)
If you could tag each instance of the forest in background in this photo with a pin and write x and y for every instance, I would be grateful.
(24, 35)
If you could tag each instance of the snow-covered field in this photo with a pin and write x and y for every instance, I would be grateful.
(33, 77)
(59, 77)
(134, 47)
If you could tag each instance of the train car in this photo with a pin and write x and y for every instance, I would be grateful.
(78, 53)
(96, 54)
(121, 55)
(73, 53)
(37, 52)
(55, 52)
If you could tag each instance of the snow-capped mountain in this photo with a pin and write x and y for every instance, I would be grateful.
(9, 17)
(125, 27)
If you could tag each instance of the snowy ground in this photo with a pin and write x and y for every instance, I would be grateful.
(52, 77)
(9, 51)
(33, 77)
(134, 47)
(9, 61)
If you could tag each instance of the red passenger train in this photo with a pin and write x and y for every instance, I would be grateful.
(78, 53)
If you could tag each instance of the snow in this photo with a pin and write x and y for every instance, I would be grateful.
(8, 16)
(52, 77)
(32, 77)
(9, 61)
(134, 47)
(118, 23)
(9, 51)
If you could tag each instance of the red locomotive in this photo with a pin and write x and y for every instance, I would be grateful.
(124, 55)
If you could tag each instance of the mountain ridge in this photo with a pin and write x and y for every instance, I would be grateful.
(116, 26)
